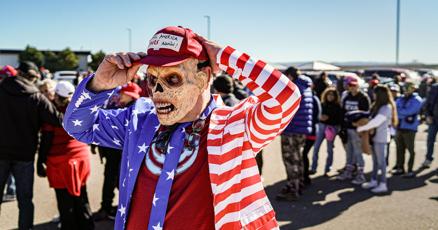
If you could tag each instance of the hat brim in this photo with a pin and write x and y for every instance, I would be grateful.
(163, 60)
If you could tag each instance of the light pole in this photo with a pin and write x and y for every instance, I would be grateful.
(397, 42)
(129, 38)
(208, 26)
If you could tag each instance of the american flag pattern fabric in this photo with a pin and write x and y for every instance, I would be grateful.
(236, 134)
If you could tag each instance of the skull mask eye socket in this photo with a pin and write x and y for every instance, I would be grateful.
(151, 80)
(171, 80)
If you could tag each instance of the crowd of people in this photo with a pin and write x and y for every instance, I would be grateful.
(31, 112)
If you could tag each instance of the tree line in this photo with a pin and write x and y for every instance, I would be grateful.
(65, 59)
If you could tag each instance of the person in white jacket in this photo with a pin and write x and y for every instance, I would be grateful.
(383, 113)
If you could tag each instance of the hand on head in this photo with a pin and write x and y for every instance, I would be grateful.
(116, 69)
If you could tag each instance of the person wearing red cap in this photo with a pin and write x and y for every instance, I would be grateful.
(188, 160)
(7, 71)
(353, 100)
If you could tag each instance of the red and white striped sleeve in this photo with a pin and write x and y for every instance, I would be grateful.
(278, 97)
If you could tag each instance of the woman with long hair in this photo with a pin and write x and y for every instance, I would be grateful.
(329, 122)
(384, 114)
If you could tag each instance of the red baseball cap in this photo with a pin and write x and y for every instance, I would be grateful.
(353, 81)
(8, 70)
(173, 45)
(131, 89)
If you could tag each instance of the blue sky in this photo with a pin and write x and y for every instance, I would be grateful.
(277, 31)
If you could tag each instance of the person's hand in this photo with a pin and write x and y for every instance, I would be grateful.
(41, 170)
(429, 120)
(323, 117)
(115, 70)
(360, 129)
(212, 51)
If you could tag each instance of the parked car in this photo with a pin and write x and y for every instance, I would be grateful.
(430, 72)
(66, 75)
(391, 73)
(334, 76)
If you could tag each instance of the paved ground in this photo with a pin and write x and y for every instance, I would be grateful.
(327, 204)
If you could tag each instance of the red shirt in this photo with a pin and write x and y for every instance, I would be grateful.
(68, 163)
(63, 144)
(190, 203)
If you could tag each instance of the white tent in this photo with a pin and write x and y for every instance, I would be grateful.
(278, 66)
(317, 65)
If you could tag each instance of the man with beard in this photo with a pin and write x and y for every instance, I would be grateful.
(187, 160)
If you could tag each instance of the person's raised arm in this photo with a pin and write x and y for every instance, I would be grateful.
(86, 120)
(278, 98)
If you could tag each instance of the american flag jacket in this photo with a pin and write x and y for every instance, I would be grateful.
(236, 134)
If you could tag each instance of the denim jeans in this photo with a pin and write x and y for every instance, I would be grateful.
(320, 136)
(354, 149)
(23, 172)
(379, 161)
(431, 136)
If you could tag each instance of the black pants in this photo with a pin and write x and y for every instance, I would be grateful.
(23, 171)
(111, 175)
(405, 139)
(307, 146)
(74, 211)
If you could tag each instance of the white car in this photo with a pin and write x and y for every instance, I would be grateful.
(67, 75)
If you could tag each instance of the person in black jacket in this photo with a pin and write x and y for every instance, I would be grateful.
(23, 109)
(329, 123)
(354, 100)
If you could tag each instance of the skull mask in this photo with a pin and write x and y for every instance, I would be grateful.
(177, 91)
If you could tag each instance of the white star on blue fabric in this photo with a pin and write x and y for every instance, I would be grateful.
(77, 122)
(86, 95)
(95, 127)
(154, 200)
(169, 148)
(135, 112)
(122, 210)
(126, 122)
(170, 175)
(142, 148)
(123, 183)
(157, 227)
(116, 141)
(129, 173)
(94, 109)
(114, 127)
(95, 143)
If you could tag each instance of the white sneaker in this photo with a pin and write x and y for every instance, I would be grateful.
(426, 164)
(382, 188)
(370, 185)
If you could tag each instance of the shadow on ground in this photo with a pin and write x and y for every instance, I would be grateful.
(313, 209)
(101, 225)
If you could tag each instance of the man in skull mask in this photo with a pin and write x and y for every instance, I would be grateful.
(187, 160)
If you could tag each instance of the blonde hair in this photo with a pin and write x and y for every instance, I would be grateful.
(48, 83)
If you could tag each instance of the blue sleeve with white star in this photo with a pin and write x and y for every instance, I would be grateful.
(86, 121)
